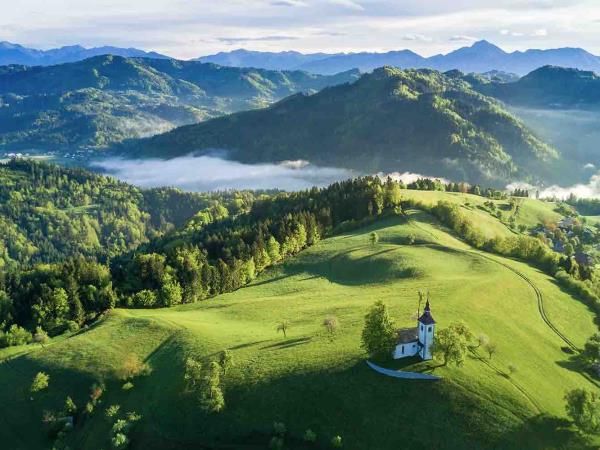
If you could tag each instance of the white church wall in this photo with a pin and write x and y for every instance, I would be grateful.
(406, 349)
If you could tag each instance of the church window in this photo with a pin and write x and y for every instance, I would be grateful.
(403, 349)
(421, 327)
(429, 329)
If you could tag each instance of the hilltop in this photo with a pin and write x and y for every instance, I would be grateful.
(411, 120)
(106, 99)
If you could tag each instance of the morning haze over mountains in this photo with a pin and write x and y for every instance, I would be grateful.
(478, 113)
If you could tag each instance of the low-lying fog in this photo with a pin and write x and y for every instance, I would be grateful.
(209, 173)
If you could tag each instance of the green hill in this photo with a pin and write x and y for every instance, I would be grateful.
(106, 99)
(312, 380)
(411, 120)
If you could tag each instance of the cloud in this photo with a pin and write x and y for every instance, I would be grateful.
(539, 33)
(591, 189)
(350, 4)
(416, 37)
(237, 40)
(289, 3)
(210, 173)
(463, 38)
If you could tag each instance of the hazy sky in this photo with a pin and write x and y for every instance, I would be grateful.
(190, 28)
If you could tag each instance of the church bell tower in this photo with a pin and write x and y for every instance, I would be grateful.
(426, 327)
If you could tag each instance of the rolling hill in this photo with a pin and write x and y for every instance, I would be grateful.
(481, 56)
(313, 380)
(413, 120)
(106, 99)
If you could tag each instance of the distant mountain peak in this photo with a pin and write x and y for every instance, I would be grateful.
(11, 53)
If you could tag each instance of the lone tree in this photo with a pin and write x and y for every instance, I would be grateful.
(379, 334)
(583, 408)
(283, 326)
(373, 238)
(40, 382)
(490, 349)
(452, 343)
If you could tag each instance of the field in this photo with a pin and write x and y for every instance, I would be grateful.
(311, 379)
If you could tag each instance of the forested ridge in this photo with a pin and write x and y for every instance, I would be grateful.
(105, 99)
(391, 119)
(48, 212)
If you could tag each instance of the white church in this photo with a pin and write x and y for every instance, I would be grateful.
(417, 341)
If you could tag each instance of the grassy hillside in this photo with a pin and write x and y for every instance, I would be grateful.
(312, 380)
(416, 120)
(107, 99)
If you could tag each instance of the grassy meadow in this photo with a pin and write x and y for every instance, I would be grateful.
(311, 379)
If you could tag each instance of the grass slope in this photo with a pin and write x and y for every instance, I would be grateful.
(309, 380)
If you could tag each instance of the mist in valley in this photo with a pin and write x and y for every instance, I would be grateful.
(210, 173)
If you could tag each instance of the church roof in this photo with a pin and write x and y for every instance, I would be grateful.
(426, 318)
(406, 335)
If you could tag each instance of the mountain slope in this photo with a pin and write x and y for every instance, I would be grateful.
(548, 86)
(17, 54)
(105, 99)
(482, 56)
(388, 120)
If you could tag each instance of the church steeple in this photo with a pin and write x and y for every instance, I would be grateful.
(426, 330)
(426, 318)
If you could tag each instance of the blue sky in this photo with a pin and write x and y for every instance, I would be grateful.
(190, 28)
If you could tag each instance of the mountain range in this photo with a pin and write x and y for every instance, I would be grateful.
(480, 57)
(106, 99)
(17, 54)
(391, 119)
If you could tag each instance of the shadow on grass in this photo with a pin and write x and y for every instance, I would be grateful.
(544, 432)
(248, 344)
(288, 343)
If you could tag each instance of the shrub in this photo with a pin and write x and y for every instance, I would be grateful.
(112, 411)
(583, 408)
(70, 408)
(40, 382)
(336, 442)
